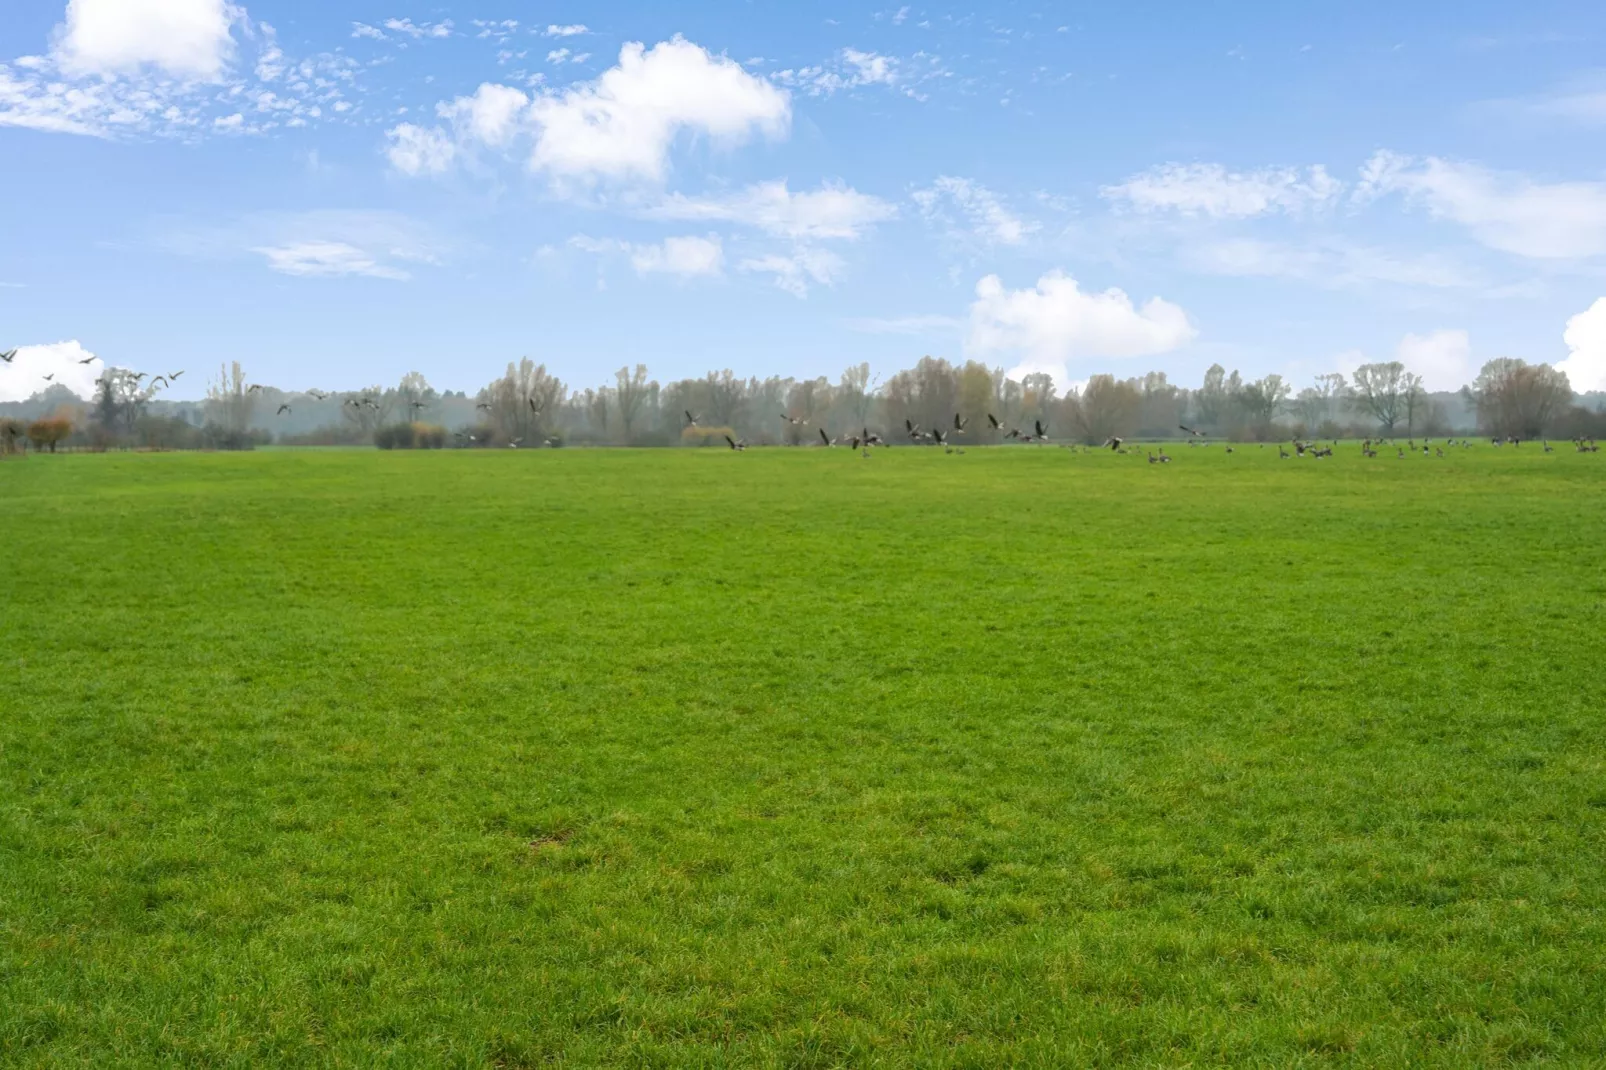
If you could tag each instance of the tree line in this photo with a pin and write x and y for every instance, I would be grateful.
(528, 406)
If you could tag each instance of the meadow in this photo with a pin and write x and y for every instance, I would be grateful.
(796, 758)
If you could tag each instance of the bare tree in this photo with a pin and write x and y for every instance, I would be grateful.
(724, 396)
(121, 400)
(1105, 408)
(415, 396)
(1259, 402)
(1334, 390)
(1413, 399)
(1212, 400)
(368, 410)
(1517, 399)
(230, 401)
(631, 394)
(598, 403)
(524, 403)
(1378, 391)
(855, 394)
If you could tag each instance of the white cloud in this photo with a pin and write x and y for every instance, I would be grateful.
(416, 150)
(849, 69)
(832, 211)
(24, 376)
(154, 75)
(185, 38)
(985, 215)
(623, 124)
(1211, 190)
(1586, 342)
(566, 31)
(686, 257)
(326, 258)
(1442, 358)
(1047, 327)
(493, 115)
(426, 29)
(362, 29)
(910, 325)
(796, 271)
(1509, 212)
(1333, 263)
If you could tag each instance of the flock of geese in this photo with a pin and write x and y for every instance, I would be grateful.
(865, 438)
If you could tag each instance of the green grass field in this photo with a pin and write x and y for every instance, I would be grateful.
(793, 758)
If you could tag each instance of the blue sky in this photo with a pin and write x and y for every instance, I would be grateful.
(336, 193)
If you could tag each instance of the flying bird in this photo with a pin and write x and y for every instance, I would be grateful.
(173, 376)
(994, 421)
(825, 438)
(939, 438)
(87, 360)
(50, 378)
(534, 407)
(734, 444)
(484, 405)
(9, 355)
(1042, 432)
(691, 421)
(159, 379)
(1191, 431)
(795, 421)
(419, 405)
(254, 388)
(316, 395)
(282, 410)
(960, 425)
(1114, 443)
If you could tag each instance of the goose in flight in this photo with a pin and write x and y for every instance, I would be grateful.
(9, 355)
(994, 421)
(418, 405)
(282, 410)
(691, 421)
(960, 425)
(738, 446)
(939, 437)
(1191, 431)
(50, 378)
(1114, 443)
(159, 379)
(87, 360)
(172, 377)
(316, 395)
(484, 406)
(1042, 432)
(825, 438)
(794, 420)
(534, 407)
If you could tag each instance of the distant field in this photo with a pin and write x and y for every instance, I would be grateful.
(794, 758)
